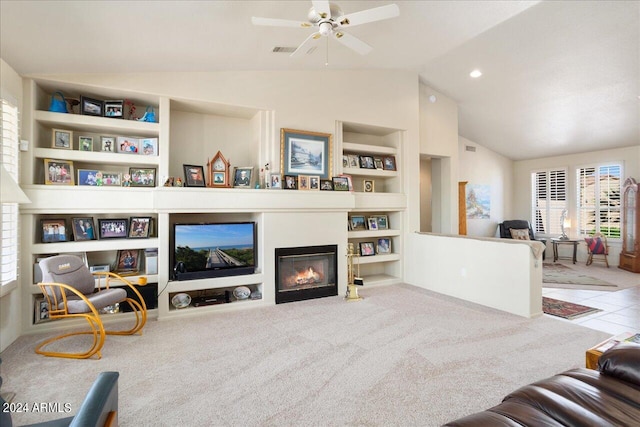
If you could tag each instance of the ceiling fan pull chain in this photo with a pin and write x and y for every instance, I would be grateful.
(326, 64)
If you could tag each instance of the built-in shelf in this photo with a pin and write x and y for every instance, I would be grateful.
(362, 234)
(93, 245)
(376, 258)
(213, 283)
(77, 122)
(349, 147)
(103, 158)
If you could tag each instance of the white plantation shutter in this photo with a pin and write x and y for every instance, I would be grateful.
(599, 199)
(9, 211)
(549, 199)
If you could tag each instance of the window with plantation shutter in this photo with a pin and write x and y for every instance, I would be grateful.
(9, 211)
(599, 199)
(549, 199)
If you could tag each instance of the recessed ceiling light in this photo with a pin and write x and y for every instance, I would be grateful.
(475, 74)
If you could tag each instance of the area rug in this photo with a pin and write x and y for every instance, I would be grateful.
(558, 273)
(564, 309)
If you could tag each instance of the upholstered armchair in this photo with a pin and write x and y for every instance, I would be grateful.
(519, 229)
(72, 291)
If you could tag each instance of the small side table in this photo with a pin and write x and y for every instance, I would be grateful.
(556, 242)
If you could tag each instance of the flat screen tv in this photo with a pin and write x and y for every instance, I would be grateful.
(203, 250)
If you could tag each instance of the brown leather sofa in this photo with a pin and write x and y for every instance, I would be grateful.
(609, 396)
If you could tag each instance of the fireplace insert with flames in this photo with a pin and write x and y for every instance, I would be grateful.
(306, 272)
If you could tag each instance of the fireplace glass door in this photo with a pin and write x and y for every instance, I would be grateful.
(306, 272)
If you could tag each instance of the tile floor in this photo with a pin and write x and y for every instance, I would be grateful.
(620, 309)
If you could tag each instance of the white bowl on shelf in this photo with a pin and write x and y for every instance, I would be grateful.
(241, 292)
(181, 300)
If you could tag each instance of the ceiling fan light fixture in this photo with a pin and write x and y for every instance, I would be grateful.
(339, 35)
(325, 28)
(475, 74)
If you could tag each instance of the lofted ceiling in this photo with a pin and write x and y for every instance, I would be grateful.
(558, 77)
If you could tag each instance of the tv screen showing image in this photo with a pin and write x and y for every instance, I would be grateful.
(213, 250)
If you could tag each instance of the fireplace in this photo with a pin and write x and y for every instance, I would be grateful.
(306, 272)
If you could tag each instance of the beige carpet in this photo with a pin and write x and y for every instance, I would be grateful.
(402, 357)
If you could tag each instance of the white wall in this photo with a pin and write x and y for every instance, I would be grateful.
(486, 167)
(629, 157)
(10, 326)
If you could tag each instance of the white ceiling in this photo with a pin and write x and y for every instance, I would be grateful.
(559, 77)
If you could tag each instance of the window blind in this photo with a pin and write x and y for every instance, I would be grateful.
(549, 199)
(9, 211)
(599, 199)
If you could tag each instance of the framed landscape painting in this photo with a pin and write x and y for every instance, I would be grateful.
(305, 153)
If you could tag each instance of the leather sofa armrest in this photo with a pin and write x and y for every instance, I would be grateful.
(100, 404)
(622, 361)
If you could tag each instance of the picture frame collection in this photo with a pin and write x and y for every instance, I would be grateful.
(64, 139)
(55, 230)
(363, 223)
(366, 161)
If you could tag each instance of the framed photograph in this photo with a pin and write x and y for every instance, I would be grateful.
(305, 153)
(354, 161)
(242, 177)
(83, 229)
(303, 182)
(290, 182)
(373, 223)
(108, 144)
(368, 185)
(345, 161)
(110, 228)
(148, 146)
(384, 245)
(139, 227)
(367, 249)
(58, 172)
(114, 109)
(378, 162)
(127, 145)
(91, 107)
(62, 139)
(276, 181)
(340, 183)
(41, 313)
(314, 183)
(128, 260)
(366, 162)
(142, 177)
(358, 222)
(87, 177)
(53, 230)
(193, 176)
(383, 222)
(326, 185)
(111, 179)
(389, 163)
(85, 143)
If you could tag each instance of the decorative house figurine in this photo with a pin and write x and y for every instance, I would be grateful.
(218, 170)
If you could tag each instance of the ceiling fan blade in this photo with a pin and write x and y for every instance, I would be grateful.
(279, 22)
(314, 36)
(352, 42)
(370, 15)
(323, 9)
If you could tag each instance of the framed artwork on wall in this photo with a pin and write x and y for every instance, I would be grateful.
(305, 153)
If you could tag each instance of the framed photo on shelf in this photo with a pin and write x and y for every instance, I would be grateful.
(345, 161)
(368, 185)
(389, 163)
(303, 182)
(114, 109)
(58, 172)
(366, 162)
(91, 107)
(148, 146)
(83, 229)
(110, 228)
(61, 138)
(367, 249)
(384, 245)
(340, 183)
(383, 222)
(127, 145)
(85, 143)
(139, 227)
(314, 183)
(358, 222)
(53, 230)
(326, 185)
(354, 161)
(143, 177)
(193, 176)
(108, 144)
(88, 177)
(41, 310)
(128, 260)
(378, 162)
(373, 223)
(290, 182)
(111, 179)
(242, 177)
(276, 181)
(305, 153)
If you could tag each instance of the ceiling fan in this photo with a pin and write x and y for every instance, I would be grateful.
(330, 22)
